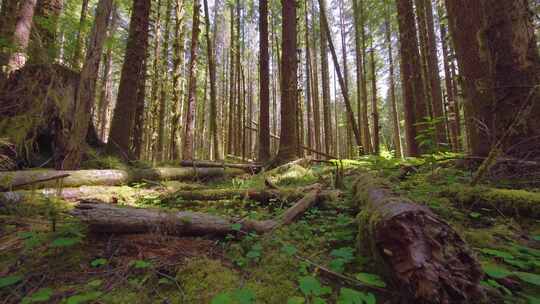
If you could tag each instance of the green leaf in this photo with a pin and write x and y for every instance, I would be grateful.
(497, 253)
(65, 242)
(528, 277)
(337, 265)
(496, 272)
(296, 300)
(10, 280)
(140, 264)
(222, 298)
(164, 281)
(289, 250)
(350, 296)
(236, 227)
(26, 235)
(84, 297)
(475, 215)
(371, 279)
(345, 253)
(318, 300)
(517, 263)
(42, 295)
(98, 262)
(493, 284)
(244, 296)
(311, 286)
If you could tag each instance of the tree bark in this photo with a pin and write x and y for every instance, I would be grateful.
(427, 260)
(21, 36)
(161, 153)
(327, 115)
(288, 141)
(213, 98)
(123, 120)
(84, 101)
(264, 77)
(178, 84)
(43, 48)
(391, 80)
(75, 61)
(411, 76)
(187, 149)
(8, 20)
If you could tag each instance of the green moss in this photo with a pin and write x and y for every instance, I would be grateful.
(512, 202)
(479, 237)
(203, 278)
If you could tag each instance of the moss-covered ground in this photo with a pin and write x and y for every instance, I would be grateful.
(49, 257)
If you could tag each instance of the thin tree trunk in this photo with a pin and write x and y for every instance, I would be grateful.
(213, 99)
(163, 94)
(87, 88)
(374, 110)
(187, 151)
(8, 20)
(327, 120)
(177, 82)
(309, 86)
(395, 118)
(133, 74)
(453, 115)
(43, 47)
(315, 85)
(264, 77)
(230, 133)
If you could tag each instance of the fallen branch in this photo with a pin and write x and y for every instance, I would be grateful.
(106, 218)
(263, 196)
(111, 177)
(33, 182)
(427, 260)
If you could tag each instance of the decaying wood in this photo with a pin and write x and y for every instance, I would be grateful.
(111, 177)
(263, 196)
(107, 218)
(250, 168)
(42, 180)
(421, 254)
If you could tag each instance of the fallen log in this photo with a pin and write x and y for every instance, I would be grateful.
(420, 253)
(107, 194)
(263, 196)
(250, 168)
(110, 177)
(107, 218)
(505, 201)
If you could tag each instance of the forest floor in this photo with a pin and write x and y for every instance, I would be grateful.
(317, 259)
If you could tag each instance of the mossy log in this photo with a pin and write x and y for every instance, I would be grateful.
(420, 253)
(250, 168)
(107, 218)
(263, 196)
(11, 179)
(506, 201)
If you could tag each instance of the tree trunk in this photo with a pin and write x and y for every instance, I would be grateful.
(21, 36)
(426, 259)
(315, 85)
(84, 101)
(411, 76)
(75, 62)
(213, 99)
(362, 74)
(230, 133)
(177, 82)
(123, 120)
(187, 150)
(161, 153)
(374, 106)
(288, 141)
(8, 20)
(264, 76)
(393, 102)
(327, 116)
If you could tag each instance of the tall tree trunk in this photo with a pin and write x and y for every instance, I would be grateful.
(288, 141)
(8, 20)
(374, 107)
(391, 77)
(358, 61)
(138, 131)
(43, 47)
(363, 71)
(453, 107)
(21, 36)
(315, 84)
(434, 77)
(264, 89)
(87, 88)
(133, 71)
(309, 86)
(213, 99)
(164, 71)
(187, 149)
(423, 44)
(76, 60)
(106, 90)
(327, 116)
(411, 77)
(177, 82)
(239, 92)
(230, 133)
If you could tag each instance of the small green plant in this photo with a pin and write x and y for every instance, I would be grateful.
(98, 262)
(10, 280)
(237, 296)
(141, 264)
(312, 289)
(42, 295)
(351, 296)
(371, 279)
(342, 257)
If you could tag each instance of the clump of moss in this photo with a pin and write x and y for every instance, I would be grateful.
(97, 161)
(203, 278)
(479, 237)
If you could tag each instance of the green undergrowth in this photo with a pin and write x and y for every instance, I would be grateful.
(297, 263)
